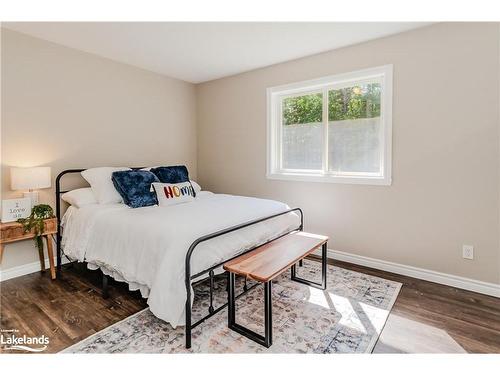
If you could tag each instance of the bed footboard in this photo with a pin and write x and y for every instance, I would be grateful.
(210, 271)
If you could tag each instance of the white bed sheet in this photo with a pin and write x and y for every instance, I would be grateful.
(146, 247)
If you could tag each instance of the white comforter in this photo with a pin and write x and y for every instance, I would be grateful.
(147, 246)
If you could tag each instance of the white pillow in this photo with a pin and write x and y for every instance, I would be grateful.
(101, 184)
(79, 197)
(170, 194)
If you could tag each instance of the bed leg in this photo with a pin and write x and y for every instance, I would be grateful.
(211, 307)
(105, 291)
(188, 319)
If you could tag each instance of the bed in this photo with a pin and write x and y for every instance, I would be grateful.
(161, 251)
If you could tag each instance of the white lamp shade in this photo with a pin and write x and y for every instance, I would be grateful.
(30, 178)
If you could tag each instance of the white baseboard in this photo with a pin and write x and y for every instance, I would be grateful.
(418, 273)
(25, 269)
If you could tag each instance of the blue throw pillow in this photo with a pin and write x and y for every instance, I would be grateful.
(171, 175)
(135, 187)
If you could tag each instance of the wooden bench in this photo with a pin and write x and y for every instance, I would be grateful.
(266, 263)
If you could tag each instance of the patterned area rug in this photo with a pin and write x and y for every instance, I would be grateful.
(346, 318)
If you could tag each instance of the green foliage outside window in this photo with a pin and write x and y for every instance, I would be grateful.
(303, 109)
(349, 103)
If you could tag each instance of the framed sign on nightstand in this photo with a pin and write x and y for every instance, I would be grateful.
(13, 209)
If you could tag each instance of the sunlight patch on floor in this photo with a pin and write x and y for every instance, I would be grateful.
(319, 297)
(343, 306)
(402, 335)
(375, 315)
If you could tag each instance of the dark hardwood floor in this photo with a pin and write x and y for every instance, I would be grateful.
(426, 318)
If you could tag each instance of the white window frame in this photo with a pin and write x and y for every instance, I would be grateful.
(275, 95)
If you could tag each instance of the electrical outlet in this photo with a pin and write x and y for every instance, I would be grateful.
(468, 251)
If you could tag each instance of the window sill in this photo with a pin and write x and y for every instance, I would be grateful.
(354, 180)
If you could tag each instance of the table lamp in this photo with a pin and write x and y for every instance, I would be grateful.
(30, 179)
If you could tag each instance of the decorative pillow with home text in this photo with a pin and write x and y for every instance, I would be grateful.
(170, 194)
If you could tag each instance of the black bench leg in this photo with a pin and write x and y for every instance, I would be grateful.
(268, 315)
(324, 259)
(265, 340)
(231, 313)
(322, 284)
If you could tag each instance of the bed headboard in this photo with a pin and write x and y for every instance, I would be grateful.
(60, 191)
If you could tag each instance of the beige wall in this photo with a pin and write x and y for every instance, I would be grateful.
(66, 108)
(445, 189)
(69, 109)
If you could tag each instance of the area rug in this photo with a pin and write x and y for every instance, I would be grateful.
(348, 317)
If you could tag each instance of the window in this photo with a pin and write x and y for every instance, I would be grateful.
(333, 129)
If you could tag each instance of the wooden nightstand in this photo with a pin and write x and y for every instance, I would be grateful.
(13, 232)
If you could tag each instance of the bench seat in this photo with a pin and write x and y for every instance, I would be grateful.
(270, 260)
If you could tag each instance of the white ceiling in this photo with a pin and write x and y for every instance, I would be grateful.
(199, 52)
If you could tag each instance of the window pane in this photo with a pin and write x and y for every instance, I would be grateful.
(354, 129)
(302, 143)
(355, 102)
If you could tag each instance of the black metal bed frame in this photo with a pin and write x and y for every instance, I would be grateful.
(188, 277)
